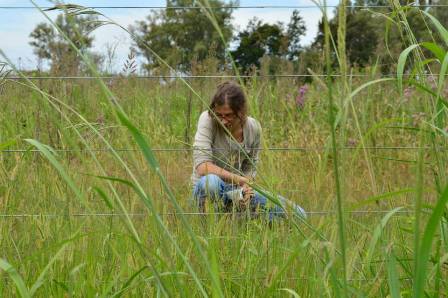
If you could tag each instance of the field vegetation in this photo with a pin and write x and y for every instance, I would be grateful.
(98, 202)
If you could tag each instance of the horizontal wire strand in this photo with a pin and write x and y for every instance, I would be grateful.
(218, 149)
(311, 213)
(224, 277)
(227, 7)
(196, 76)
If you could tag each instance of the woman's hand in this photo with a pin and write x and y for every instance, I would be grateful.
(248, 194)
(241, 180)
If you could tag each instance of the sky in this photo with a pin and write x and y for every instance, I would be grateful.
(17, 24)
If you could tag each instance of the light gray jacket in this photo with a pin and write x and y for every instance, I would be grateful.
(212, 143)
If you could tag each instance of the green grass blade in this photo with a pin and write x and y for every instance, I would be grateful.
(384, 196)
(105, 197)
(335, 156)
(442, 31)
(7, 144)
(435, 49)
(152, 162)
(291, 292)
(148, 203)
(378, 232)
(128, 282)
(148, 279)
(426, 244)
(40, 280)
(47, 152)
(392, 276)
(422, 87)
(440, 262)
(442, 73)
(402, 63)
(282, 271)
(356, 91)
(15, 276)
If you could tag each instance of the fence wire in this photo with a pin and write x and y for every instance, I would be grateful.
(163, 214)
(278, 149)
(224, 276)
(162, 77)
(184, 7)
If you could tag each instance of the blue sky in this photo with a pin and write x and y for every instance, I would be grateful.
(16, 24)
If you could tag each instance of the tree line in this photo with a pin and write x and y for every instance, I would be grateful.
(184, 38)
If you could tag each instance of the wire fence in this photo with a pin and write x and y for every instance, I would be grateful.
(164, 77)
(164, 214)
(278, 149)
(234, 7)
(223, 276)
(274, 149)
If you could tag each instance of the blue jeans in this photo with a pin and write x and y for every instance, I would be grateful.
(218, 191)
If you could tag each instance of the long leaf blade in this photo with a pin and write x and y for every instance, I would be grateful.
(402, 63)
(47, 152)
(15, 276)
(426, 244)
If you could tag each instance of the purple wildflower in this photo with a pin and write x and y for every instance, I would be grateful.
(417, 118)
(408, 92)
(352, 142)
(432, 80)
(300, 99)
(100, 119)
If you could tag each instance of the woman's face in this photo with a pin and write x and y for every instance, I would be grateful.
(226, 116)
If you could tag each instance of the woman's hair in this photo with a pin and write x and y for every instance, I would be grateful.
(232, 94)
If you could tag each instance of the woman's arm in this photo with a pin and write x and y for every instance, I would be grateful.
(210, 168)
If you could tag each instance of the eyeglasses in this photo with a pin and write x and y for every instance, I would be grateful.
(228, 116)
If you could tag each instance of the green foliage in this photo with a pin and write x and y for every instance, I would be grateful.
(251, 258)
(361, 38)
(15, 276)
(223, 255)
(257, 40)
(377, 34)
(260, 39)
(295, 32)
(181, 36)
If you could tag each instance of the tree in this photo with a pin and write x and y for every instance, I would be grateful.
(257, 40)
(260, 39)
(296, 30)
(49, 45)
(182, 35)
(361, 37)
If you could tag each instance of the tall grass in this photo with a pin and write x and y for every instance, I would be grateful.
(150, 246)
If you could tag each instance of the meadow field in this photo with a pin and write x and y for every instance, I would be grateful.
(95, 189)
(85, 251)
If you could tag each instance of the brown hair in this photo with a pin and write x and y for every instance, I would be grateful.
(232, 94)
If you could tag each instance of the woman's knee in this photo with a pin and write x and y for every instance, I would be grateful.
(210, 184)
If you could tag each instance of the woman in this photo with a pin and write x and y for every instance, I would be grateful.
(226, 149)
